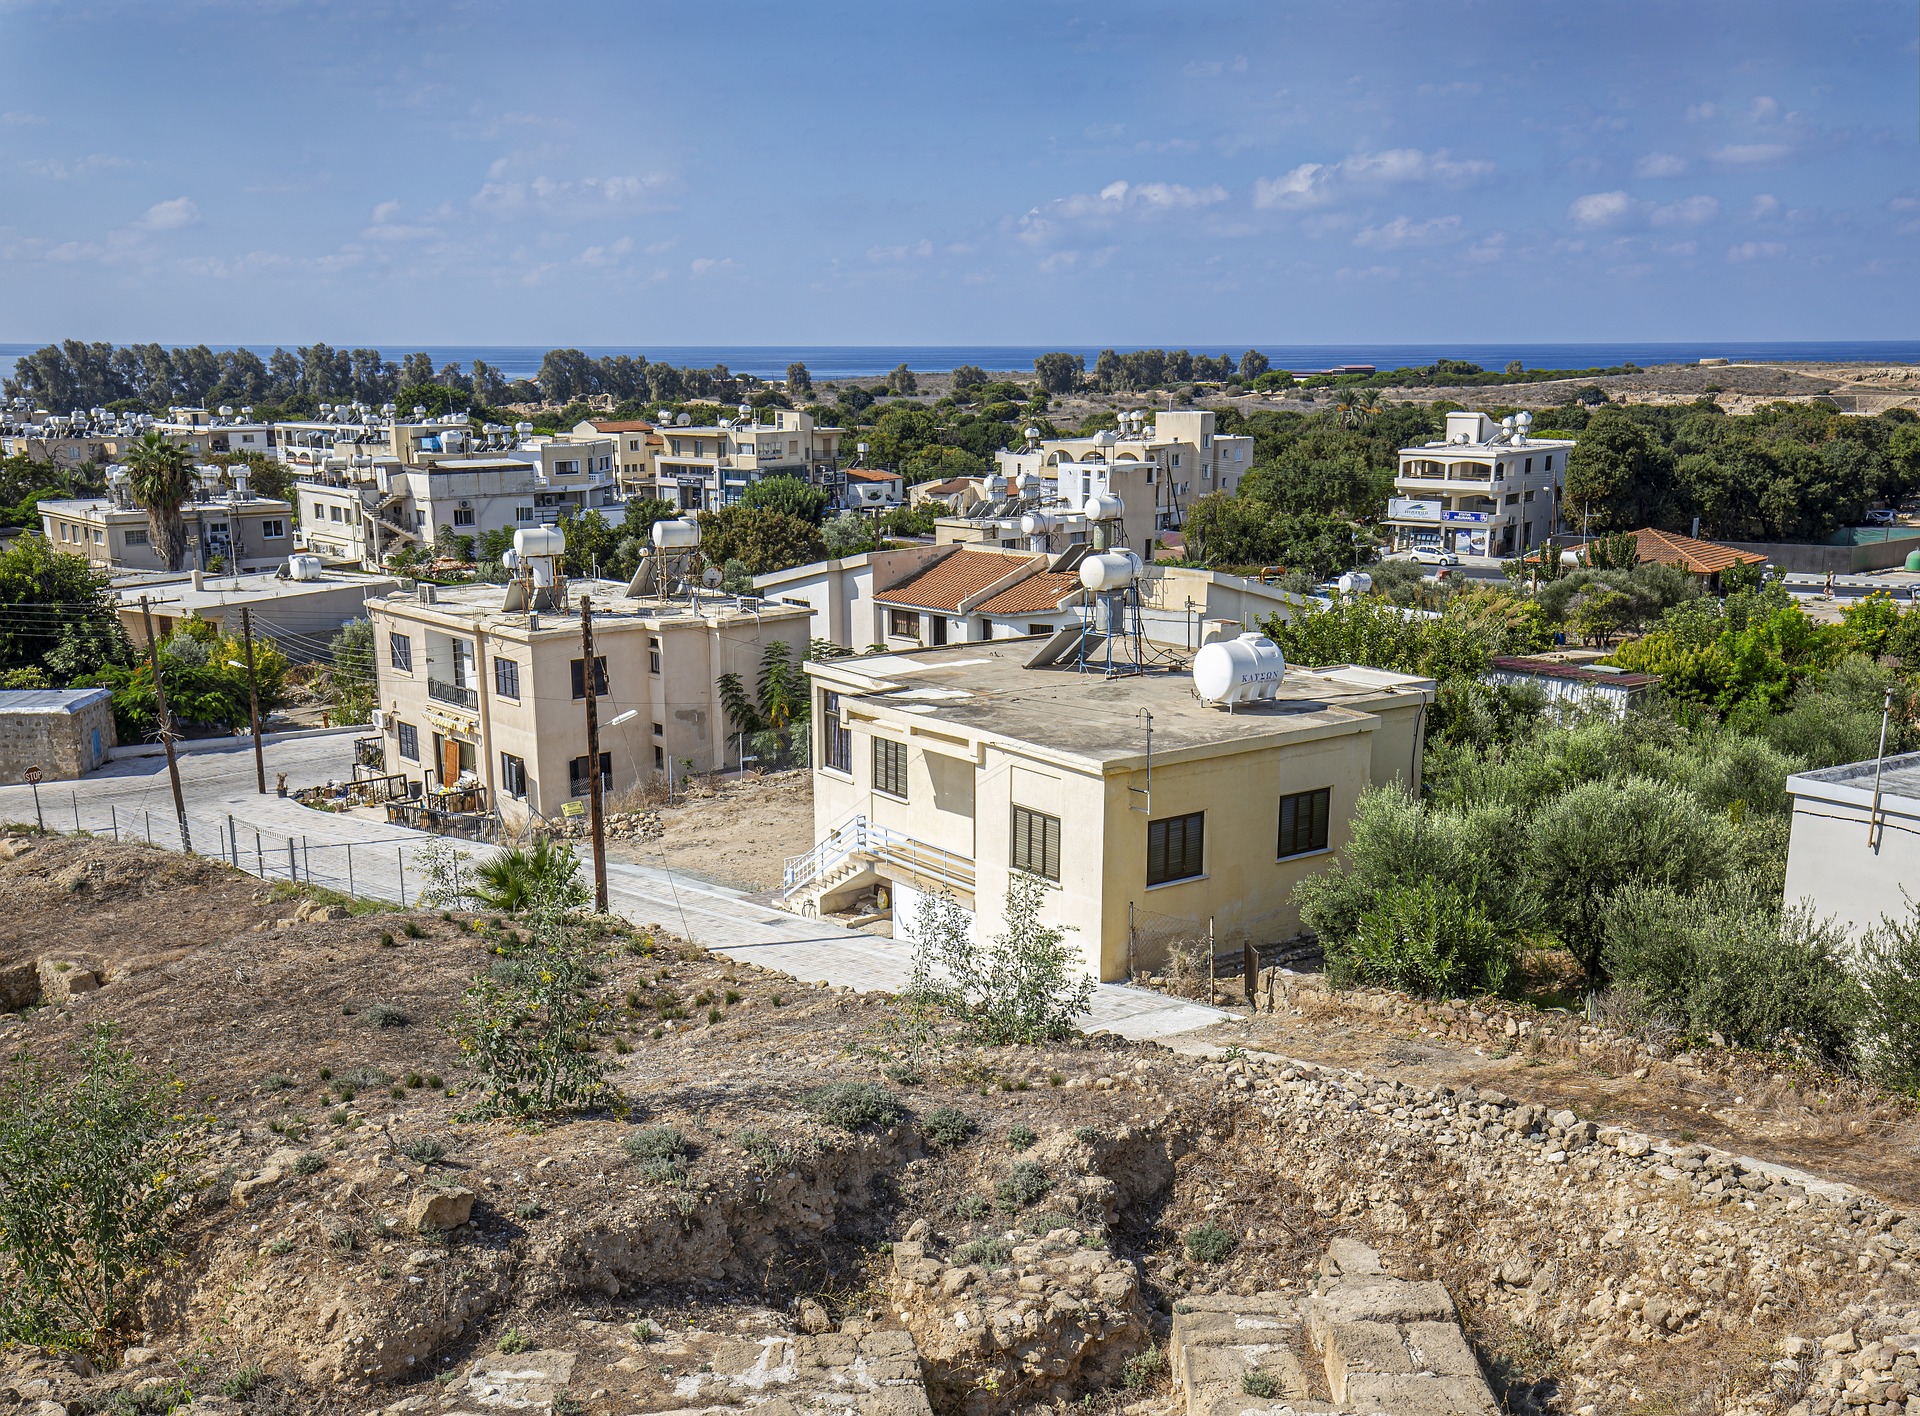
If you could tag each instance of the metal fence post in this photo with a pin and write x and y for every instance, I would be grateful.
(400, 856)
(76, 810)
(113, 816)
(306, 861)
(350, 889)
(259, 856)
(233, 841)
(149, 816)
(293, 861)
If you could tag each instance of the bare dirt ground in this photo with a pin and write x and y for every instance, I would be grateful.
(737, 832)
(1806, 1120)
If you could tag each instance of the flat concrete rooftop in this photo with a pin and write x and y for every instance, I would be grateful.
(481, 605)
(986, 690)
(1899, 777)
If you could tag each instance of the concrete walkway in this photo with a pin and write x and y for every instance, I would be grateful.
(276, 838)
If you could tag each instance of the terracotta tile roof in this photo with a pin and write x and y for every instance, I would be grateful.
(1700, 557)
(948, 581)
(940, 489)
(867, 474)
(1037, 594)
(1553, 668)
(626, 425)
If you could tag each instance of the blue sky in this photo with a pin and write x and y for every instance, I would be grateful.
(397, 174)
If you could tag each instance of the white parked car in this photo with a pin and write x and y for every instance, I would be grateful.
(1432, 555)
(1884, 516)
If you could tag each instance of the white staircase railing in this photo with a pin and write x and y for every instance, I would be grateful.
(857, 836)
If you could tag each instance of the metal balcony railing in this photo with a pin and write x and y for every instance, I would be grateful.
(452, 693)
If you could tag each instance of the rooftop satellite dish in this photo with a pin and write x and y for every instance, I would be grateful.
(711, 578)
(745, 409)
(683, 420)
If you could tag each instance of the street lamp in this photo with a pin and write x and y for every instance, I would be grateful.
(626, 717)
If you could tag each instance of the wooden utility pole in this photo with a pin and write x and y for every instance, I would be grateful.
(596, 813)
(253, 700)
(166, 727)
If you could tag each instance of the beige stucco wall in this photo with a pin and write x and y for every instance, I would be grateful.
(1830, 864)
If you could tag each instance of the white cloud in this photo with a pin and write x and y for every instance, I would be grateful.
(170, 215)
(1660, 164)
(706, 265)
(1488, 248)
(18, 119)
(1702, 112)
(1600, 209)
(1372, 272)
(1317, 183)
(384, 225)
(1689, 211)
(1755, 250)
(1115, 201)
(1765, 207)
(921, 248)
(1404, 231)
(551, 194)
(1750, 154)
(62, 169)
(1214, 68)
(1459, 88)
(1763, 110)
(1103, 132)
(610, 254)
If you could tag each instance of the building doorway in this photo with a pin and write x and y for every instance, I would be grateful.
(452, 757)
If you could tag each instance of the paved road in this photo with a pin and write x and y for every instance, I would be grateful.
(275, 837)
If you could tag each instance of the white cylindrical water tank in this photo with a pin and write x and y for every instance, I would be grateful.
(1110, 570)
(682, 534)
(1243, 670)
(532, 541)
(303, 567)
(1038, 523)
(1028, 484)
(1103, 506)
(1354, 582)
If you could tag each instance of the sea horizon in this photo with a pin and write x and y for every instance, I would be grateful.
(873, 360)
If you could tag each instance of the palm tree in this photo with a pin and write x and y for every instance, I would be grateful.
(1354, 406)
(161, 475)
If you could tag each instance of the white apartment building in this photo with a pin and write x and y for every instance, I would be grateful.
(1485, 489)
(700, 468)
(1157, 463)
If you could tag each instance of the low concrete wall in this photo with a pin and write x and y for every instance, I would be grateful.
(154, 749)
(1839, 560)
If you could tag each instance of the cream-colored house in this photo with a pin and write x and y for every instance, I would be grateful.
(636, 450)
(1158, 463)
(228, 527)
(1152, 816)
(470, 689)
(700, 468)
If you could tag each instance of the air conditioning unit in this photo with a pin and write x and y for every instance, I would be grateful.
(379, 720)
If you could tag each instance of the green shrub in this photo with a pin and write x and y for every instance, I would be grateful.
(1020, 1136)
(853, 1106)
(1208, 1243)
(309, 1163)
(386, 1015)
(1024, 986)
(94, 1166)
(1087, 1135)
(543, 876)
(1025, 1183)
(1422, 938)
(274, 1082)
(412, 930)
(655, 1143)
(1257, 1383)
(423, 1150)
(989, 1253)
(1143, 1369)
(512, 1341)
(947, 1126)
(1890, 1013)
(972, 1207)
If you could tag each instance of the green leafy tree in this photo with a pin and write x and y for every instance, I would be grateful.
(799, 381)
(1422, 937)
(1058, 372)
(901, 381)
(160, 473)
(1619, 477)
(58, 616)
(1023, 986)
(937, 464)
(760, 538)
(351, 683)
(205, 692)
(94, 1179)
(969, 377)
(1253, 364)
(791, 496)
(847, 534)
(773, 718)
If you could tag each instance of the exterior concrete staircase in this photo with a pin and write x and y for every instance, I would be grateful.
(855, 848)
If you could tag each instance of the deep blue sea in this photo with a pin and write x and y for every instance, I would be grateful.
(852, 361)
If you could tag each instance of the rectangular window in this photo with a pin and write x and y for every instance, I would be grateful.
(903, 624)
(409, 742)
(523, 513)
(1303, 822)
(566, 469)
(513, 776)
(579, 784)
(506, 677)
(99, 536)
(463, 516)
(333, 514)
(1529, 466)
(1176, 848)
(659, 758)
(400, 649)
(273, 528)
(599, 677)
(1549, 464)
(653, 654)
(890, 767)
(1036, 843)
(134, 538)
(836, 736)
